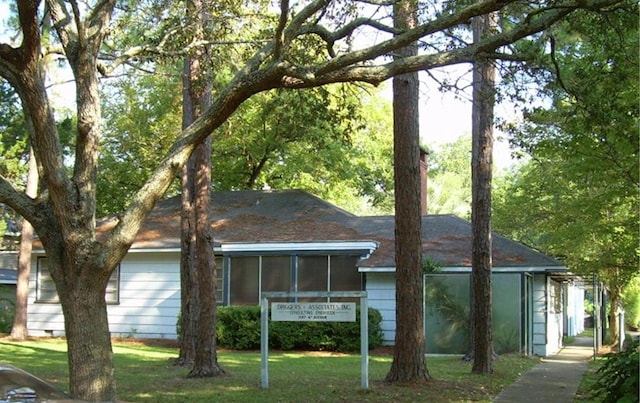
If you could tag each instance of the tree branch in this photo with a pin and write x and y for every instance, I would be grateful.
(18, 201)
(279, 35)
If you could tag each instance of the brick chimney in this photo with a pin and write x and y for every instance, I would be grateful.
(423, 180)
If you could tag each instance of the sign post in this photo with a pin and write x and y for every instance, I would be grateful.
(314, 312)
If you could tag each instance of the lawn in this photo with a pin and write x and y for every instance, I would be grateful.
(144, 374)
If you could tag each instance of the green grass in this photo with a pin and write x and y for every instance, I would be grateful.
(144, 374)
(583, 394)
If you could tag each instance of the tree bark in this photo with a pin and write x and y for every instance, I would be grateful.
(188, 275)
(198, 237)
(409, 363)
(481, 166)
(206, 357)
(19, 328)
(91, 369)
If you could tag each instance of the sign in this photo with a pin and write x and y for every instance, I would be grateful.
(313, 311)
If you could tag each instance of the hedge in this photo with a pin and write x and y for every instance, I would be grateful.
(238, 328)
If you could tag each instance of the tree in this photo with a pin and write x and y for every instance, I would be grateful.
(19, 328)
(80, 260)
(198, 313)
(481, 171)
(449, 190)
(409, 364)
(576, 196)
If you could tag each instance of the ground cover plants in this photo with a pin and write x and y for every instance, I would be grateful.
(144, 374)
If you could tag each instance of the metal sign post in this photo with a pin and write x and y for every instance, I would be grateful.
(314, 312)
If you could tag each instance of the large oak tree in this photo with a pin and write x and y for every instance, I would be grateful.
(63, 213)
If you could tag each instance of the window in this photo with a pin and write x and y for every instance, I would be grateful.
(46, 289)
(328, 273)
(344, 276)
(218, 279)
(313, 275)
(249, 276)
(244, 277)
(276, 274)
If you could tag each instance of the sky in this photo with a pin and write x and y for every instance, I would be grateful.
(445, 116)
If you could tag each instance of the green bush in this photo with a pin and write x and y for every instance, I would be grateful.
(238, 328)
(618, 377)
(631, 303)
(6, 315)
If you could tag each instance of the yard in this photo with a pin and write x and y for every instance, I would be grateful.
(144, 374)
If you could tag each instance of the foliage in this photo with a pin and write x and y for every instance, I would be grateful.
(430, 265)
(631, 303)
(618, 376)
(455, 313)
(130, 149)
(449, 188)
(7, 309)
(576, 195)
(238, 328)
(324, 140)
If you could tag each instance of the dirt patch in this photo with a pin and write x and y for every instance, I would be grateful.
(168, 343)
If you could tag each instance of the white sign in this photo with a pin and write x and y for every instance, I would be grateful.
(313, 311)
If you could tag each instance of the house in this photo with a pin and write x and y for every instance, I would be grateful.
(293, 241)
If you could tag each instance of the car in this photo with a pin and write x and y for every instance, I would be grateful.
(17, 385)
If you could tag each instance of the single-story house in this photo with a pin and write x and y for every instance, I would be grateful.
(293, 241)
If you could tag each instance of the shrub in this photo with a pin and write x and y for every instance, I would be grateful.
(239, 329)
(631, 303)
(618, 377)
(7, 310)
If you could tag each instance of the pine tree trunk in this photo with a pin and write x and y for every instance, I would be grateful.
(409, 363)
(206, 357)
(188, 276)
(482, 161)
(199, 270)
(19, 329)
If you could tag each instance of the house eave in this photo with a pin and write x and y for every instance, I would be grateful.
(443, 270)
(363, 248)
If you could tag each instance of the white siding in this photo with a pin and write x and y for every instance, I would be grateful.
(574, 309)
(149, 302)
(539, 315)
(547, 324)
(382, 296)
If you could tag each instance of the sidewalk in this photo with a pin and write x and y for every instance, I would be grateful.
(555, 379)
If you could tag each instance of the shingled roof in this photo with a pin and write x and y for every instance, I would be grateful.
(255, 217)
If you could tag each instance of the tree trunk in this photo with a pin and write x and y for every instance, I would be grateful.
(206, 357)
(91, 370)
(19, 328)
(199, 270)
(409, 363)
(188, 276)
(481, 166)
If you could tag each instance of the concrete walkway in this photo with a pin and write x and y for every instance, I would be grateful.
(555, 379)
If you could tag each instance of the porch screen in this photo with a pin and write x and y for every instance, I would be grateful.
(249, 275)
(244, 276)
(447, 307)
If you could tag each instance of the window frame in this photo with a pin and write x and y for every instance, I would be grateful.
(42, 270)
